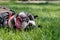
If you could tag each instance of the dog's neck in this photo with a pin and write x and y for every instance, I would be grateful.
(8, 18)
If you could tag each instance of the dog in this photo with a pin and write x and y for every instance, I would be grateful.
(22, 21)
(5, 14)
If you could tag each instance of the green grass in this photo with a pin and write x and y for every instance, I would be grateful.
(49, 18)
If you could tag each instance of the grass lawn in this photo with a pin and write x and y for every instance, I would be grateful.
(48, 18)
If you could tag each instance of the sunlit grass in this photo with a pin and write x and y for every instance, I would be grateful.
(48, 18)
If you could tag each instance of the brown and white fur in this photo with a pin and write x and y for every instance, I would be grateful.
(25, 18)
(5, 14)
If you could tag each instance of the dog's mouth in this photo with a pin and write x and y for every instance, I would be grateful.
(18, 22)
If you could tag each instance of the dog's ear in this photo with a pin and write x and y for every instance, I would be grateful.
(35, 16)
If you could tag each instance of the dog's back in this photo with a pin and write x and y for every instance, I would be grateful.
(4, 13)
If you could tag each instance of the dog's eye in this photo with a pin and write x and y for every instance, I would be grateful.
(25, 20)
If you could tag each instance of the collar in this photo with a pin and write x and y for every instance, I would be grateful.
(9, 16)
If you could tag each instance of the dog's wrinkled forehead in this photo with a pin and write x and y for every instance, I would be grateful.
(23, 14)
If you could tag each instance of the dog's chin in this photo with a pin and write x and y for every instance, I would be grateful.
(18, 27)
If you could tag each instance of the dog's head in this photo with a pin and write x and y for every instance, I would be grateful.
(27, 20)
(22, 20)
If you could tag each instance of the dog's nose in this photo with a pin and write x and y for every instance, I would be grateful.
(33, 26)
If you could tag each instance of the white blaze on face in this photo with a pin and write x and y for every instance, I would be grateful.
(32, 22)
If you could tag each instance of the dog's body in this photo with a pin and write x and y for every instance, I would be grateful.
(21, 21)
(5, 14)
